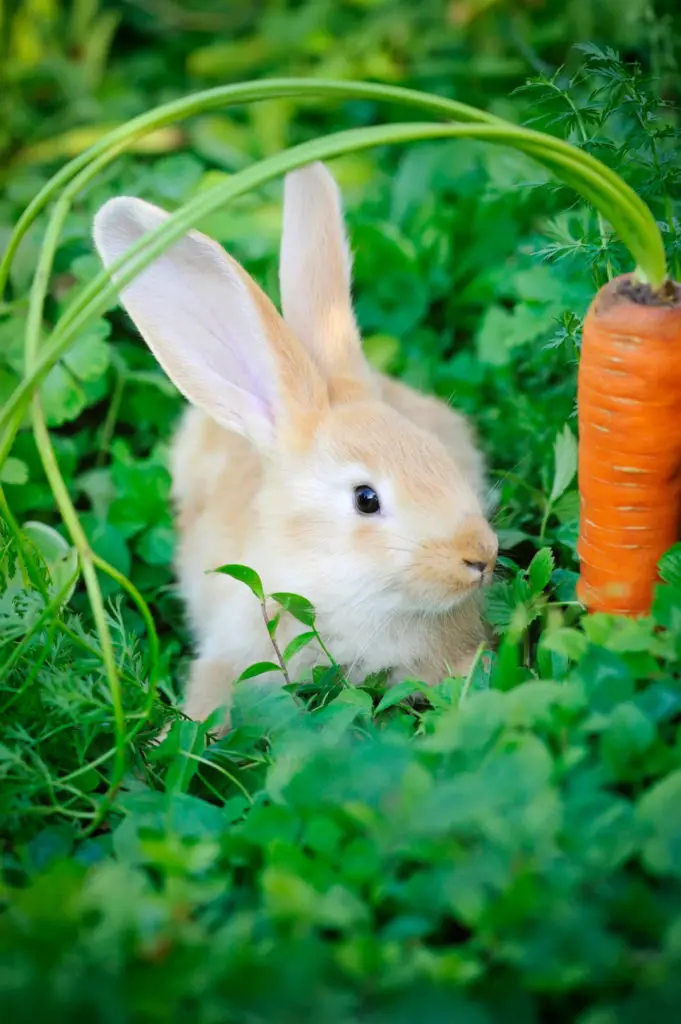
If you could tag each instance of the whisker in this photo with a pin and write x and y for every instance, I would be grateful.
(407, 540)
(380, 626)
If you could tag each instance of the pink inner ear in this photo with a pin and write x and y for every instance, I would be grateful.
(195, 311)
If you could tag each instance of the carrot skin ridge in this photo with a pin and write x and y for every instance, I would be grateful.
(629, 413)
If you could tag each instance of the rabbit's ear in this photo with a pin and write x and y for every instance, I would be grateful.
(314, 274)
(212, 329)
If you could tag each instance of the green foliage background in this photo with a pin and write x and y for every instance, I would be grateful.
(512, 853)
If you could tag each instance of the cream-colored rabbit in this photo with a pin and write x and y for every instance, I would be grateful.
(299, 461)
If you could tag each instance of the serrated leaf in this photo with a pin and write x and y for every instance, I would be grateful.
(62, 396)
(259, 669)
(539, 572)
(570, 643)
(503, 330)
(670, 566)
(499, 605)
(299, 607)
(297, 644)
(244, 575)
(565, 463)
(89, 356)
(566, 508)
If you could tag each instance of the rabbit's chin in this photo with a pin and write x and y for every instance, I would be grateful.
(436, 605)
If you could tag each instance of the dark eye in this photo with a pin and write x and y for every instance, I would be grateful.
(366, 500)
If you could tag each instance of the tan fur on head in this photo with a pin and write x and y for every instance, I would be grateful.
(289, 421)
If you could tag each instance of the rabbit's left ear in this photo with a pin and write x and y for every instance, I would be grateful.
(315, 277)
(213, 331)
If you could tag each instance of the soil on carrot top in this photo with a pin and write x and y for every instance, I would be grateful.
(643, 295)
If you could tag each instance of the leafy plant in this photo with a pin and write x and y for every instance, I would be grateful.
(507, 851)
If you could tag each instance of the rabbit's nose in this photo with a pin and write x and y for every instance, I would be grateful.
(480, 548)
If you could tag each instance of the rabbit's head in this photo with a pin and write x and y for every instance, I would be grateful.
(375, 506)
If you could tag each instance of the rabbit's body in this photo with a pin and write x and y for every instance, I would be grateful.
(329, 480)
(214, 469)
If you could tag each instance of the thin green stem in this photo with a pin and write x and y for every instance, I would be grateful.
(578, 168)
(471, 671)
(223, 96)
(109, 425)
(249, 92)
(72, 523)
(545, 520)
(218, 768)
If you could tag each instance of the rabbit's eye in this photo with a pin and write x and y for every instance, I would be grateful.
(366, 500)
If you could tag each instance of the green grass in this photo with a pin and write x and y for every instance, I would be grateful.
(511, 852)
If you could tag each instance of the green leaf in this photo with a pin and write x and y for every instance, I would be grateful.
(157, 545)
(670, 566)
(89, 356)
(398, 692)
(667, 606)
(658, 809)
(260, 668)
(500, 603)
(503, 330)
(299, 607)
(273, 624)
(382, 351)
(13, 471)
(565, 463)
(191, 740)
(566, 508)
(337, 717)
(607, 679)
(394, 301)
(63, 397)
(244, 575)
(628, 735)
(59, 557)
(511, 538)
(568, 642)
(175, 176)
(540, 570)
(108, 542)
(297, 644)
(142, 491)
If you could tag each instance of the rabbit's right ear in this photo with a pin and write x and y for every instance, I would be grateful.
(212, 329)
(315, 275)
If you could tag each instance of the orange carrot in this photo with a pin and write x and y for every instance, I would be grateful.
(629, 401)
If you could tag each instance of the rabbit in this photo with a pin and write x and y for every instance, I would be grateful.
(299, 460)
